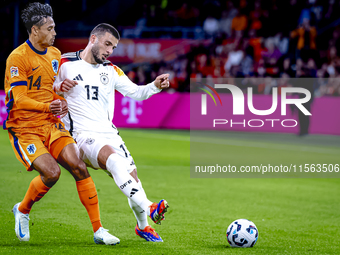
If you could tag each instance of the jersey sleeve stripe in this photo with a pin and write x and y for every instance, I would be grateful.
(73, 56)
(19, 83)
(118, 70)
(70, 54)
(108, 63)
(63, 60)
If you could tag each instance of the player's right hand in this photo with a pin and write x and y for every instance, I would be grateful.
(64, 109)
(56, 107)
(67, 84)
(162, 81)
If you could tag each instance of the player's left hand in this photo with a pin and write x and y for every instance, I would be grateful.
(67, 84)
(162, 81)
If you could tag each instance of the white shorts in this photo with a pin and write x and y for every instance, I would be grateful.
(90, 144)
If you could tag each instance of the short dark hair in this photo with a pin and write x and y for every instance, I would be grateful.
(35, 14)
(102, 28)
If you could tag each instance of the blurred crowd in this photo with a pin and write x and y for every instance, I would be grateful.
(245, 39)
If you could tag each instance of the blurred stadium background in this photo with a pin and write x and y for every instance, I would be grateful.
(271, 40)
(209, 39)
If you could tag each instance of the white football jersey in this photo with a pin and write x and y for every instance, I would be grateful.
(91, 102)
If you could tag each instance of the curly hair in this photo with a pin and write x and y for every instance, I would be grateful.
(35, 14)
(102, 28)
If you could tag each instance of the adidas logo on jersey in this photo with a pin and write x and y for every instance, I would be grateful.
(78, 78)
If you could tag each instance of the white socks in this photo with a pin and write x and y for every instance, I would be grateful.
(140, 214)
(128, 185)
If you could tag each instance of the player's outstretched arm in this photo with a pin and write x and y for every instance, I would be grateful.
(162, 81)
(140, 92)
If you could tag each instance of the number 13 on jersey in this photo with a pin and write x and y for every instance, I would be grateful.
(92, 92)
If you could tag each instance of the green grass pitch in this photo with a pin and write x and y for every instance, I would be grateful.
(293, 215)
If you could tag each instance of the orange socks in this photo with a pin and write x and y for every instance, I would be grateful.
(88, 196)
(35, 192)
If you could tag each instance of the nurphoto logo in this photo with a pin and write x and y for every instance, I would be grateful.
(238, 106)
(238, 100)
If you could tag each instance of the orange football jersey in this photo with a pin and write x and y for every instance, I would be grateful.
(34, 71)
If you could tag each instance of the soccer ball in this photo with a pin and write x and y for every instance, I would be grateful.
(242, 233)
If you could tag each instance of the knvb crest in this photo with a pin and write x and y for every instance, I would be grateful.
(31, 149)
(55, 65)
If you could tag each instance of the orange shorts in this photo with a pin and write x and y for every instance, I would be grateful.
(30, 143)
